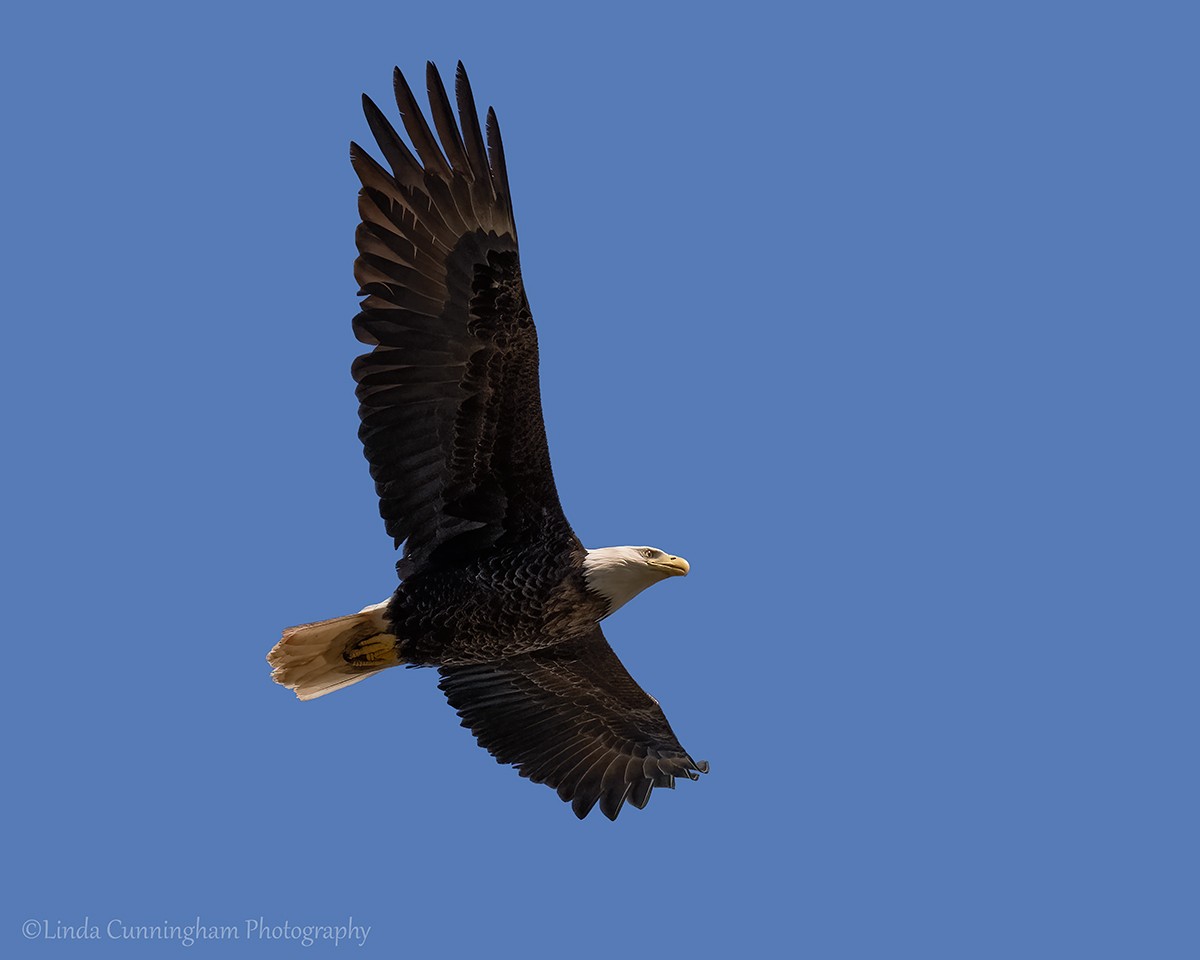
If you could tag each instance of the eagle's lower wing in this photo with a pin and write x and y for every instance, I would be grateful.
(449, 398)
(572, 717)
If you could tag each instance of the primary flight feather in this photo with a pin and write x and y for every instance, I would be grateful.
(496, 590)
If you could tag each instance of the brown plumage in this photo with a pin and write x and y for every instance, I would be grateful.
(497, 592)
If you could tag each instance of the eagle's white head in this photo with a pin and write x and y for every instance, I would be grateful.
(620, 573)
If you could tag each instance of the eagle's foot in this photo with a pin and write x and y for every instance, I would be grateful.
(371, 653)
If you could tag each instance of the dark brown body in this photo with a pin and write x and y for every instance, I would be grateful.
(500, 605)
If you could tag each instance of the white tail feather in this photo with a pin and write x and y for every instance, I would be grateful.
(310, 658)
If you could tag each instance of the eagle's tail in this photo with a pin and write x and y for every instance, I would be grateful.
(317, 658)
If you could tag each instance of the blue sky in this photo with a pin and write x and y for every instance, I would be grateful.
(882, 315)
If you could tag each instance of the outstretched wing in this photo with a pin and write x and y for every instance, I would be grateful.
(572, 717)
(449, 398)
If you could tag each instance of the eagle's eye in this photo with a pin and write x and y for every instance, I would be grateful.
(647, 554)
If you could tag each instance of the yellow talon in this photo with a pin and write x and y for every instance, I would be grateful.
(374, 651)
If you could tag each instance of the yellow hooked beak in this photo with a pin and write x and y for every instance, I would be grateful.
(672, 566)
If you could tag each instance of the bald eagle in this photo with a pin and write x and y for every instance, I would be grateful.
(496, 590)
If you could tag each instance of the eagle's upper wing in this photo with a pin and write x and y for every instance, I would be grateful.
(572, 717)
(449, 398)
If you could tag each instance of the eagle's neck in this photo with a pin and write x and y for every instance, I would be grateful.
(617, 574)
